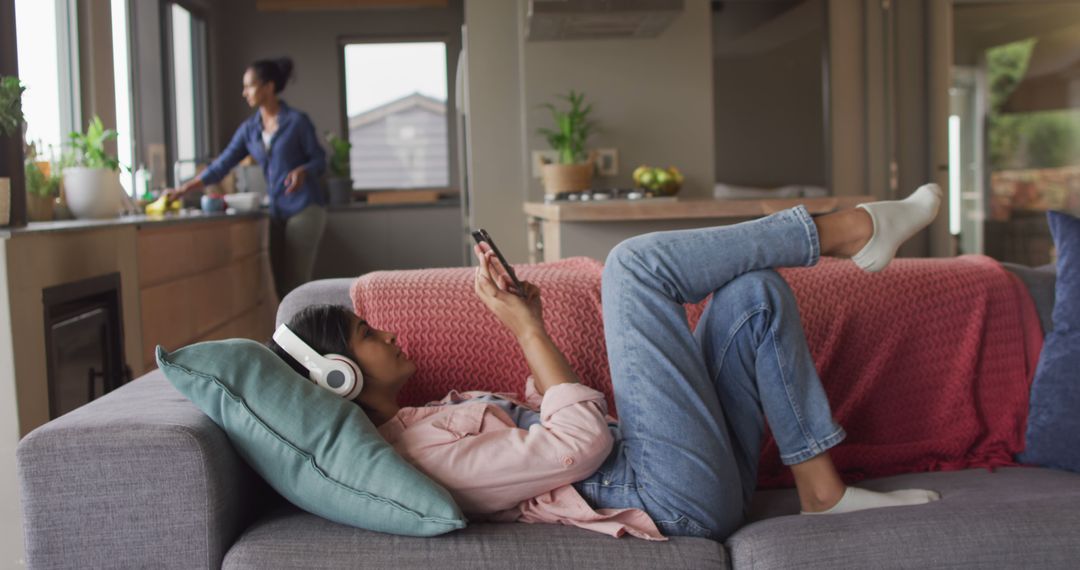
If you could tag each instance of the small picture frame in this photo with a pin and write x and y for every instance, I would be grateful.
(607, 162)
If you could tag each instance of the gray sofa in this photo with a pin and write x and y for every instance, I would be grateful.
(142, 479)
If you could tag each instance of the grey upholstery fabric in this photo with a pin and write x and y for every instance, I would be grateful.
(321, 291)
(137, 479)
(143, 479)
(290, 538)
(1012, 518)
(1040, 283)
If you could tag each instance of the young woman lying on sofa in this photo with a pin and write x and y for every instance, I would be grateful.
(693, 405)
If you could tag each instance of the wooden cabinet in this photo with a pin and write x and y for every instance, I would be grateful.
(204, 281)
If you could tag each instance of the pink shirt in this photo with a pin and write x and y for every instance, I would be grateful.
(499, 472)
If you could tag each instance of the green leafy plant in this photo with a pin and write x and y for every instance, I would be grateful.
(90, 147)
(1041, 139)
(40, 185)
(37, 182)
(11, 116)
(573, 128)
(339, 155)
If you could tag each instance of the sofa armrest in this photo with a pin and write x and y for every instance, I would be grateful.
(139, 478)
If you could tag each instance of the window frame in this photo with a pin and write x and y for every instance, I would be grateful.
(129, 83)
(200, 38)
(343, 110)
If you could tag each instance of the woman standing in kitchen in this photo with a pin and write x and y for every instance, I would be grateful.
(283, 141)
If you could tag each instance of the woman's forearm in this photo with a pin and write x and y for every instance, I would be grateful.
(547, 363)
(193, 184)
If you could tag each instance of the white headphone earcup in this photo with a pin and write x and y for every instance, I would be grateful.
(353, 377)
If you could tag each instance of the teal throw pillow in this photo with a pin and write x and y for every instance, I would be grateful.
(317, 450)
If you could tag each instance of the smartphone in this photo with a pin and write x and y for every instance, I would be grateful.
(481, 236)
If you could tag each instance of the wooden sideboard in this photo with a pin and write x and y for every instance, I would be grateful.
(204, 280)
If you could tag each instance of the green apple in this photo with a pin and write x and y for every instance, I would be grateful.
(638, 172)
(648, 178)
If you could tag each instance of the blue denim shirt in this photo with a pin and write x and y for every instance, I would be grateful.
(294, 144)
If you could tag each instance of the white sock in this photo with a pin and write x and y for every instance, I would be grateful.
(895, 221)
(856, 499)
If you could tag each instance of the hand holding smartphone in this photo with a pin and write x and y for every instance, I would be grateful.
(481, 236)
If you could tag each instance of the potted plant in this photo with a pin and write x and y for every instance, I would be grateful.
(92, 186)
(11, 119)
(42, 186)
(574, 169)
(339, 181)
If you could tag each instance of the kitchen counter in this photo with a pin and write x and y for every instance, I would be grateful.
(557, 230)
(138, 220)
(194, 215)
(677, 208)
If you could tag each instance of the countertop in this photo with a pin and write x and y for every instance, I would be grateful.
(186, 216)
(680, 208)
(195, 215)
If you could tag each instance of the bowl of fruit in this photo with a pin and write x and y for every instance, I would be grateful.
(659, 181)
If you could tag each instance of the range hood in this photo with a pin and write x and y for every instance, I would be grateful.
(599, 19)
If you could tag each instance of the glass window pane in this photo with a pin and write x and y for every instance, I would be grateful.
(122, 79)
(396, 108)
(183, 92)
(35, 22)
(1015, 100)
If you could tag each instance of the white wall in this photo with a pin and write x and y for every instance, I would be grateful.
(652, 97)
(652, 100)
(497, 162)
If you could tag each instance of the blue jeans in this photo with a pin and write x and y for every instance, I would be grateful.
(693, 405)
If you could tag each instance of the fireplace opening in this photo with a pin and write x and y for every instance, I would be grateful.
(84, 342)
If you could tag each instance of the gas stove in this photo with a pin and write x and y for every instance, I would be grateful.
(605, 195)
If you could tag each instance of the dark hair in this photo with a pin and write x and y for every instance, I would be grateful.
(325, 328)
(277, 70)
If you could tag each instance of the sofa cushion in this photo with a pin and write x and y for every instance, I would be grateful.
(1053, 428)
(1015, 517)
(1040, 285)
(316, 449)
(289, 538)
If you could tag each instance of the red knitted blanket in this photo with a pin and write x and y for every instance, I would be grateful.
(927, 364)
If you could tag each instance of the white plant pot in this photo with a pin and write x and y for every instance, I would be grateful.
(93, 192)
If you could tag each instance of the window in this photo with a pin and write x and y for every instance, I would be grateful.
(187, 46)
(395, 106)
(46, 51)
(1014, 127)
(125, 145)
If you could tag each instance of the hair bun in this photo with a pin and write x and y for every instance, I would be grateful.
(285, 69)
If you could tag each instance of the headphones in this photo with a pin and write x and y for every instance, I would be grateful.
(334, 372)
